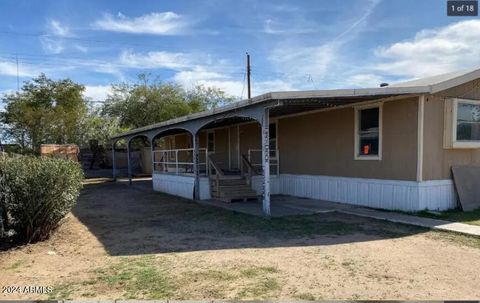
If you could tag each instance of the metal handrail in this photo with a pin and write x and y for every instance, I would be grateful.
(274, 161)
(250, 169)
(166, 153)
(212, 164)
(218, 172)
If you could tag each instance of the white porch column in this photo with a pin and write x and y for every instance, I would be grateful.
(266, 162)
(114, 168)
(129, 164)
(196, 156)
(152, 146)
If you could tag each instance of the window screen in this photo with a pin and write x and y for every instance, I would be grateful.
(369, 135)
(468, 122)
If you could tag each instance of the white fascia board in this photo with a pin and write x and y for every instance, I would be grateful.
(350, 92)
(455, 81)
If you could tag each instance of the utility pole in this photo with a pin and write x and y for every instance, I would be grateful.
(248, 77)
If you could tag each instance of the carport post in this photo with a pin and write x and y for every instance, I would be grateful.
(129, 164)
(196, 188)
(152, 145)
(266, 162)
(114, 169)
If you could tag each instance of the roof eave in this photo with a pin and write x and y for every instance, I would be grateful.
(455, 81)
(289, 95)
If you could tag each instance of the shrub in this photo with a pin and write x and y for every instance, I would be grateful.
(36, 193)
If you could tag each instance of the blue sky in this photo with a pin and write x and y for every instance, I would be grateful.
(295, 45)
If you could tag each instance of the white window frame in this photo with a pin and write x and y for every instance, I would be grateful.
(357, 109)
(450, 124)
(214, 147)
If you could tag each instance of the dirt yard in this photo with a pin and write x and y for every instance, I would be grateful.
(123, 242)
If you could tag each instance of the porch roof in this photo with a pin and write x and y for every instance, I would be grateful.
(299, 101)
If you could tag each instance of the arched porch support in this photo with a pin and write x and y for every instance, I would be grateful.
(194, 123)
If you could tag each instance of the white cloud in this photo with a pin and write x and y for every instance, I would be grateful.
(190, 69)
(271, 86)
(97, 92)
(81, 48)
(158, 59)
(164, 23)
(291, 27)
(235, 87)
(10, 69)
(365, 80)
(58, 29)
(319, 62)
(434, 51)
(305, 61)
(52, 46)
(53, 43)
(202, 75)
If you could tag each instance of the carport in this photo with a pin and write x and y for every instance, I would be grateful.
(195, 168)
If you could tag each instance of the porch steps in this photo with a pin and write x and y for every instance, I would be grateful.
(232, 189)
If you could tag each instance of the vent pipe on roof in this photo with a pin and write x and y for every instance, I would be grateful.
(383, 84)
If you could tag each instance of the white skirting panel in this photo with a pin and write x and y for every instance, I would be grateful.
(205, 188)
(376, 193)
(176, 185)
(180, 185)
(440, 193)
(257, 184)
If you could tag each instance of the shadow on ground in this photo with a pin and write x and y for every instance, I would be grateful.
(135, 220)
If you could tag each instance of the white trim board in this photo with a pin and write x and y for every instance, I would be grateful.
(420, 135)
(450, 124)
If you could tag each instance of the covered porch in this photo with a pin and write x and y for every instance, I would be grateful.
(204, 156)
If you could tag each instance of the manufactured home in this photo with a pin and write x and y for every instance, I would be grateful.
(390, 147)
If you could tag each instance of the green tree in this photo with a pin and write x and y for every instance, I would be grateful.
(148, 102)
(45, 111)
(99, 127)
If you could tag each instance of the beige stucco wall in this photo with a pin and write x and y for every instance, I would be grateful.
(234, 146)
(183, 141)
(250, 137)
(221, 148)
(227, 142)
(323, 143)
(437, 161)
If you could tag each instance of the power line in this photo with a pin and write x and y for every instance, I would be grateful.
(45, 60)
(110, 42)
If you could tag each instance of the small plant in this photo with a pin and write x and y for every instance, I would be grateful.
(36, 193)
